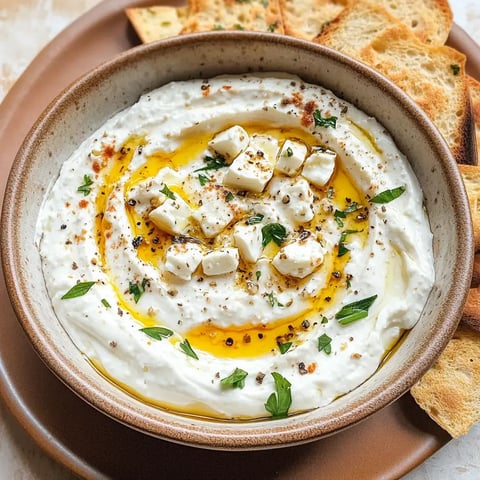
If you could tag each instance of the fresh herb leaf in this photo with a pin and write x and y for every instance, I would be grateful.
(272, 27)
(235, 379)
(273, 232)
(355, 311)
(273, 300)
(158, 333)
(388, 195)
(288, 152)
(213, 163)
(342, 249)
(339, 214)
(238, 26)
(203, 179)
(284, 347)
(324, 343)
(166, 191)
(85, 188)
(455, 69)
(255, 218)
(105, 303)
(78, 290)
(187, 349)
(323, 121)
(137, 290)
(258, 274)
(324, 319)
(280, 401)
(229, 197)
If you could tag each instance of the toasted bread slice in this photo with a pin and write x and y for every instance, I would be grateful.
(255, 15)
(474, 89)
(471, 311)
(433, 76)
(450, 391)
(471, 179)
(156, 23)
(306, 18)
(430, 20)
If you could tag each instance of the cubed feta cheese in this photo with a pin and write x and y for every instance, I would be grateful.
(182, 259)
(319, 166)
(248, 239)
(215, 213)
(300, 258)
(230, 142)
(293, 197)
(253, 168)
(291, 157)
(219, 262)
(172, 216)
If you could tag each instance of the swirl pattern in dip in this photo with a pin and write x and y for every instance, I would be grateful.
(238, 247)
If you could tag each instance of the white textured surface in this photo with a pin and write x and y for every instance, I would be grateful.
(26, 26)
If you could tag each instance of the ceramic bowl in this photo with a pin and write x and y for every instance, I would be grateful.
(90, 101)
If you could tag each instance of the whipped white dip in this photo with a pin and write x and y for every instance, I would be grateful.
(234, 225)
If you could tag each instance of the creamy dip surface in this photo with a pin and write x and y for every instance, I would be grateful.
(238, 247)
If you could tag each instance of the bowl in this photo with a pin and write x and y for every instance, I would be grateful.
(89, 102)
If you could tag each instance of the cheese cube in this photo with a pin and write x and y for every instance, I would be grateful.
(248, 239)
(172, 216)
(253, 168)
(182, 259)
(300, 258)
(215, 213)
(294, 197)
(319, 166)
(230, 142)
(291, 157)
(219, 262)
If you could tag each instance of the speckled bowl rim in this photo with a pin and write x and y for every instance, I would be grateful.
(213, 434)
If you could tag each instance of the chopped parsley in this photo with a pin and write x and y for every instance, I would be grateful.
(78, 290)
(324, 121)
(273, 232)
(455, 69)
(272, 27)
(203, 179)
(258, 274)
(279, 402)
(284, 347)
(238, 26)
(341, 214)
(324, 319)
(229, 197)
(273, 300)
(167, 192)
(255, 218)
(105, 303)
(235, 379)
(85, 188)
(212, 163)
(388, 195)
(355, 311)
(324, 344)
(342, 249)
(187, 349)
(137, 290)
(158, 333)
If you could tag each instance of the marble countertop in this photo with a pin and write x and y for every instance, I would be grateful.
(26, 26)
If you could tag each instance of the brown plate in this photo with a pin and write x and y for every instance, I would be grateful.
(387, 445)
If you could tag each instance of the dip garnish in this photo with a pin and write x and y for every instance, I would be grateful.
(324, 343)
(213, 163)
(203, 179)
(187, 349)
(388, 195)
(167, 192)
(342, 249)
(254, 219)
(158, 333)
(355, 311)
(279, 402)
(137, 290)
(324, 121)
(85, 187)
(284, 347)
(78, 290)
(235, 379)
(105, 303)
(273, 232)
